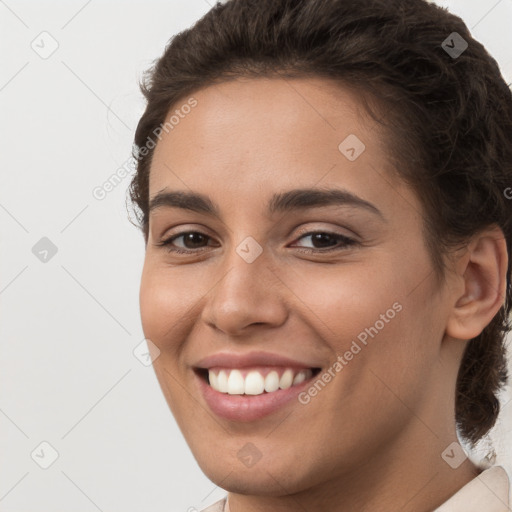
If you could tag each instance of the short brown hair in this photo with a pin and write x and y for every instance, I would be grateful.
(448, 123)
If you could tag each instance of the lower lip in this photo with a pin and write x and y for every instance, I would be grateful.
(248, 407)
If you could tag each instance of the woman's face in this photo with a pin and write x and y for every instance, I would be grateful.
(278, 282)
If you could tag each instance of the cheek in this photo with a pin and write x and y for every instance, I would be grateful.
(343, 300)
(397, 349)
(375, 320)
(164, 304)
(166, 309)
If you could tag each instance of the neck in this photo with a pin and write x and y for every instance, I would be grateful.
(407, 475)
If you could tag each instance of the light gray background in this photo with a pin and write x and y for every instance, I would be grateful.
(68, 326)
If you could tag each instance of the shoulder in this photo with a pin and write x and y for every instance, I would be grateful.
(488, 491)
(218, 506)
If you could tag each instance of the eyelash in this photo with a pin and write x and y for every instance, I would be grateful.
(347, 242)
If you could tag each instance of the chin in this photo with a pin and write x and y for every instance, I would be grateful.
(260, 483)
(264, 478)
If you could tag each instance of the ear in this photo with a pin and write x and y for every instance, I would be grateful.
(482, 275)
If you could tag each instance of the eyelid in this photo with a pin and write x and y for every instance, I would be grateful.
(309, 230)
(192, 227)
(345, 241)
(302, 231)
(183, 229)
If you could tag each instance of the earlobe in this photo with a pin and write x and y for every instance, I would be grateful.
(483, 272)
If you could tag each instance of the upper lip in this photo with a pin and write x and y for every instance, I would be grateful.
(245, 360)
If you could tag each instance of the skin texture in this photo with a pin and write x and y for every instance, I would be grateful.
(372, 439)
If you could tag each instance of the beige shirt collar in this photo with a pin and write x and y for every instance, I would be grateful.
(488, 492)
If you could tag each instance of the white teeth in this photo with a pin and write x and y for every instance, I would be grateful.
(300, 377)
(222, 381)
(286, 379)
(235, 383)
(214, 380)
(254, 383)
(272, 382)
(232, 382)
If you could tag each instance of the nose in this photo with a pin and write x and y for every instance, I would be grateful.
(248, 294)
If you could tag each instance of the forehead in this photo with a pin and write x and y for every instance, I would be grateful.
(253, 135)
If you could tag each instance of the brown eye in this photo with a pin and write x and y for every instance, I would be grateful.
(192, 240)
(195, 241)
(328, 241)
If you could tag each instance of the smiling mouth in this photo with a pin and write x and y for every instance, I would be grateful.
(255, 381)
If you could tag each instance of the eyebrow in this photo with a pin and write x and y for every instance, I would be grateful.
(289, 201)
